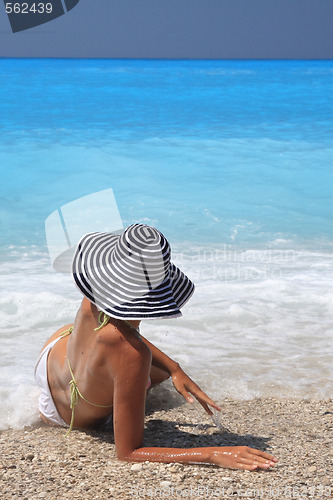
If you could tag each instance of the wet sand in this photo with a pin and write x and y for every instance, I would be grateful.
(39, 462)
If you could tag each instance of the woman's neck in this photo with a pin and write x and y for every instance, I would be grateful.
(135, 323)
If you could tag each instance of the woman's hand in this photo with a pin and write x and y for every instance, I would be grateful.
(242, 457)
(185, 386)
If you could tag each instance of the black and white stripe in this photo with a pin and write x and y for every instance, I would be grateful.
(130, 276)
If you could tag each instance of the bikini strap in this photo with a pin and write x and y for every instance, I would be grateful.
(102, 322)
(106, 319)
(75, 396)
(66, 332)
(75, 391)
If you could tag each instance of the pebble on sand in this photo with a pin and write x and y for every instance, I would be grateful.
(165, 484)
(136, 467)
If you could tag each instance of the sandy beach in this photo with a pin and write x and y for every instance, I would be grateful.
(39, 462)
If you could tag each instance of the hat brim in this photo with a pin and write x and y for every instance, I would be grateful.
(94, 277)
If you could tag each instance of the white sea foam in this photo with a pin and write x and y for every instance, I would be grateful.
(258, 324)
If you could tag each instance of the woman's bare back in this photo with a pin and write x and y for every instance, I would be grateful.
(111, 366)
(90, 356)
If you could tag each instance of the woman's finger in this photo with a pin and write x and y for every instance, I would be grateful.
(262, 455)
(187, 387)
(204, 399)
(206, 408)
(247, 467)
(183, 392)
(255, 458)
(252, 461)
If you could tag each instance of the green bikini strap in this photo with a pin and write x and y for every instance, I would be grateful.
(102, 322)
(75, 396)
(75, 391)
(66, 332)
(106, 319)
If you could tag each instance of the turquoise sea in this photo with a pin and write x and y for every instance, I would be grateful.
(231, 160)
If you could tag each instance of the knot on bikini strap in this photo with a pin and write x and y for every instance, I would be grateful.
(75, 395)
(66, 332)
(102, 322)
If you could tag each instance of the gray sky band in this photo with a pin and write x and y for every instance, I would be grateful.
(180, 29)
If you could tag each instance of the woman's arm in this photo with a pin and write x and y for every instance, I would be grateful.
(130, 367)
(129, 412)
(234, 457)
(182, 382)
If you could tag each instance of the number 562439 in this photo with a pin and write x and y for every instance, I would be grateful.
(25, 8)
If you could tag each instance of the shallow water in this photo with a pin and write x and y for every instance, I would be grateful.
(231, 160)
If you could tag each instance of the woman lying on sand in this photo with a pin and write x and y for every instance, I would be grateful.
(101, 367)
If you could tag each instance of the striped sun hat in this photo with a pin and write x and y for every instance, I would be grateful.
(130, 276)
